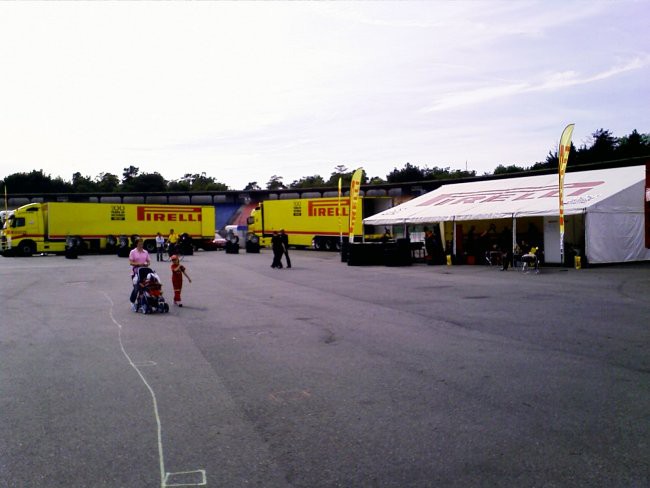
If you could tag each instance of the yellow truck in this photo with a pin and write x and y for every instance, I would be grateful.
(311, 222)
(98, 227)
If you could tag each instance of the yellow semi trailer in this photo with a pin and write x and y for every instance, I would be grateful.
(97, 227)
(312, 222)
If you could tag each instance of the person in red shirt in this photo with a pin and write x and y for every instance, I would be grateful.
(178, 270)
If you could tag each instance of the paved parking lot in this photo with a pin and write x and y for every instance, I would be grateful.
(324, 375)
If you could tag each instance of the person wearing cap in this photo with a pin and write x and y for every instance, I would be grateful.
(178, 270)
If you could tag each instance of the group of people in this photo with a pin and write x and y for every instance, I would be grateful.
(139, 257)
(280, 246)
(172, 244)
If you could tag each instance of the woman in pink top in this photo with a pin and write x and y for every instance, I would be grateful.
(138, 257)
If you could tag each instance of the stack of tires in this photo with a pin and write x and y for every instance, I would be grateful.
(185, 244)
(252, 244)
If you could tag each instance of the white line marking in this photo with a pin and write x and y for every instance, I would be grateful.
(153, 395)
(186, 478)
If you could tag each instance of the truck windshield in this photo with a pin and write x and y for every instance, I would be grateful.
(17, 222)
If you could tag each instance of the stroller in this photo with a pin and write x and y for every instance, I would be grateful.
(150, 297)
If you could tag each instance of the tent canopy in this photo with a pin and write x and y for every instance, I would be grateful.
(602, 191)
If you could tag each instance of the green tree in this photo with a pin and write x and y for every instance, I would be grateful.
(308, 182)
(275, 183)
(197, 182)
(36, 182)
(510, 169)
(107, 183)
(146, 182)
(633, 145)
(409, 173)
(82, 184)
(437, 173)
(252, 186)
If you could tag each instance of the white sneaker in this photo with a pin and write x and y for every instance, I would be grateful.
(134, 307)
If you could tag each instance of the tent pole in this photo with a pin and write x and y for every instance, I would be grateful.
(514, 239)
(453, 247)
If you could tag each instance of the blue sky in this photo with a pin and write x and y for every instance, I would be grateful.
(246, 90)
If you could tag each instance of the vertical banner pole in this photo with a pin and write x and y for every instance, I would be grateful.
(340, 227)
(355, 187)
(563, 159)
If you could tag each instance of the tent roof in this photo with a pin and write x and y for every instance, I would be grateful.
(513, 197)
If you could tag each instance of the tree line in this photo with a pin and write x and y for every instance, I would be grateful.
(602, 147)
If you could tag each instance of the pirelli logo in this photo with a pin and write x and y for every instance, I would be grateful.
(529, 193)
(328, 207)
(168, 213)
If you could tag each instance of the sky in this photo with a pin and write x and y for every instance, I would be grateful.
(243, 91)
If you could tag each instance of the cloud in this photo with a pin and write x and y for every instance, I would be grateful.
(553, 81)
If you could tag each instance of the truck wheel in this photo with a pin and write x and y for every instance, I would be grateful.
(111, 241)
(27, 248)
(150, 246)
(317, 243)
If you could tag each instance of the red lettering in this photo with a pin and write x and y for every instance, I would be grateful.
(321, 212)
(159, 217)
(499, 197)
(171, 217)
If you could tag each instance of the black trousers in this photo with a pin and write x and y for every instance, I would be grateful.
(277, 258)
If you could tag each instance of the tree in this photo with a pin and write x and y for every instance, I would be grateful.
(146, 182)
(36, 182)
(130, 172)
(308, 182)
(604, 142)
(503, 170)
(197, 182)
(410, 172)
(633, 145)
(275, 183)
(340, 171)
(252, 186)
(437, 173)
(82, 184)
(107, 182)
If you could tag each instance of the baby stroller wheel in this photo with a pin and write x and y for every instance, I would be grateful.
(166, 308)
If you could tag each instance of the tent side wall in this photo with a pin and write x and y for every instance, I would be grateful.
(615, 228)
(615, 238)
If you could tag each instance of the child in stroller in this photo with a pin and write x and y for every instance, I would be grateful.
(150, 297)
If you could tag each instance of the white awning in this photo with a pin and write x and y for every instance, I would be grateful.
(604, 191)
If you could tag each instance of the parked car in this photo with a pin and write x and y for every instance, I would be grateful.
(219, 242)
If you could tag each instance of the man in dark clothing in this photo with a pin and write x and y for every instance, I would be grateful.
(285, 244)
(278, 250)
(429, 245)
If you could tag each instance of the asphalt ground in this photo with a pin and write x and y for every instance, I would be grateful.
(324, 375)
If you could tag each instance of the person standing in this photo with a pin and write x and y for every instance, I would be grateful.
(278, 250)
(285, 246)
(172, 242)
(138, 258)
(178, 270)
(429, 244)
(160, 247)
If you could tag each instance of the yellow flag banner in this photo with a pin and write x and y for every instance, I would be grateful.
(339, 212)
(563, 159)
(355, 187)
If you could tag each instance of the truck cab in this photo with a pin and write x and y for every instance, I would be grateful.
(23, 231)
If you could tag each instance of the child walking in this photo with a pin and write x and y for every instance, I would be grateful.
(178, 270)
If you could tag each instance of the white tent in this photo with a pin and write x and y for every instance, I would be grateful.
(611, 202)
